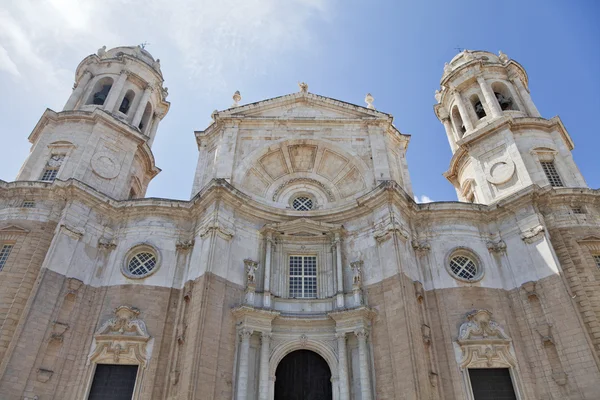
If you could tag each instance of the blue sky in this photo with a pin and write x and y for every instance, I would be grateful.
(343, 49)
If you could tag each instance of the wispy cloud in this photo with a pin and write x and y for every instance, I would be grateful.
(423, 199)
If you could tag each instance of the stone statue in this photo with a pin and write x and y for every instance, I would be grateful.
(369, 100)
(503, 57)
(468, 56)
(438, 96)
(165, 92)
(236, 99)
(356, 273)
(251, 267)
(303, 87)
(156, 64)
(102, 52)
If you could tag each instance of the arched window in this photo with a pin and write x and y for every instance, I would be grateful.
(478, 106)
(145, 117)
(459, 126)
(504, 97)
(127, 101)
(100, 92)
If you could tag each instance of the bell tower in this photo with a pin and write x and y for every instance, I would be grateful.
(103, 135)
(500, 142)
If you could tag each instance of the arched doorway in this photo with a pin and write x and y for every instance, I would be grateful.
(303, 375)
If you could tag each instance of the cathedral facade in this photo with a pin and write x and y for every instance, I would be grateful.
(301, 267)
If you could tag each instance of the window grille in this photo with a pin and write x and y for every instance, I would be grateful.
(463, 267)
(141, 264)
(303, 276)
(578, 210)
(4, 253)
(302, 203)
(52, 167)
(597, 260)
(28, 204)
(551, 173)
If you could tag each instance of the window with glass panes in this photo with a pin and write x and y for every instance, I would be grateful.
(52, 167)
(303, 276)
(597, 260)
(4, 253)
(551, 173)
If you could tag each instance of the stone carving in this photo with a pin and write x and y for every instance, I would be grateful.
(58, 331)
(74, 232)
(496, 247)
(122, 336)
(438, 96)
(467, 55)
(330, 195)
(356, 273)
(236, 99)
(530, 289)
(426, 333)
(447, 68)
(106, 244)
(217, 228)
(503, 57)
(184, 245)
(484, 343)
(44, 375)
(156, 64)
(533, 235)
(500, 171)
(420, 246)
(419, 292)
(251, 267)
(303, 87)
(105, 165)
(165, 92)
(303, 340)
(386, 232)
(101, 52)
(369, 100)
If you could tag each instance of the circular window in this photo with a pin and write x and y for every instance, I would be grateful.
(141, 262)
(302, 203)
(464, 266)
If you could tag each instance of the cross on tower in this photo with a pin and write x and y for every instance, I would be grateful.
(144, 44)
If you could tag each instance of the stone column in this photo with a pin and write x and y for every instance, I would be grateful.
(450, 133)
(78, 91)
(263, 383)
(365, 374)
(464, 114)
(490, 97)
(152, 134)
(115, 92)
(343, 366)
(242, 381)
(141, 107)
(340, 278)
(267, 282)
(524, 93)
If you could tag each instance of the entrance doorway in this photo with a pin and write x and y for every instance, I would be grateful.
(303, 375)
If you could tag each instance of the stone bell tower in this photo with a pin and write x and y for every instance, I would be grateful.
(103, 135)
(500, 142)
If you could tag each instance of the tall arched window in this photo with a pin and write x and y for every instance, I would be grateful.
(100, 92)
(145, 117)
(127, 101)
(504, 97)
(457, 121)
(478, 106)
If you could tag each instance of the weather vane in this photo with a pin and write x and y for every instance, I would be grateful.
(144, 44)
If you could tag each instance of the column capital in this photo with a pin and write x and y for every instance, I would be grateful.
(245, 333)
(266, 335)
(361, 333)
(340, 335)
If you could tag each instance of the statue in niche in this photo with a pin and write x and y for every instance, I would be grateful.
(251, 267)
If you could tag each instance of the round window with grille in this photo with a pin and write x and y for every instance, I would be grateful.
(465, 266)
(303, 203)
(140, 262)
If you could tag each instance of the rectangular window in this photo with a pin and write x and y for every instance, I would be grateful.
(551, 173)
(28, 204)
(4, 253)
(492, 384)
(303, 276)
(52, 167)
(597, 260)
(578, 210)
(113, 382)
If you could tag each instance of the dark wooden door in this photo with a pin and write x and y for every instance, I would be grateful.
(113, 382)
(303, 375)
(492, 384)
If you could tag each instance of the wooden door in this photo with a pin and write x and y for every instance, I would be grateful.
(303, 375)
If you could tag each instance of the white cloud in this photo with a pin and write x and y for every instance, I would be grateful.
(423, 199)
(7, 64)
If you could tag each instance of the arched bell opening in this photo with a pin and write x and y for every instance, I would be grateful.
(303, 375)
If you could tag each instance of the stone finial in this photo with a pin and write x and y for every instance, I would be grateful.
(438, 96)
(236, 99)
(369, 100)
(447, 68)
(502, 56)
(156, 64)
(467, 55)
(102, 52)
(303, 87)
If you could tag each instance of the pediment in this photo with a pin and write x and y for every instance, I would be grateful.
(303, 106)
(589, 240)
(14, 230)
(302, 227)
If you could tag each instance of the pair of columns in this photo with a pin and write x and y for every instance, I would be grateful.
(263, 378)
(244, 364)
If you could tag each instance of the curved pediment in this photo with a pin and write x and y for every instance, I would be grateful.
(320, 168)
(302, 227)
